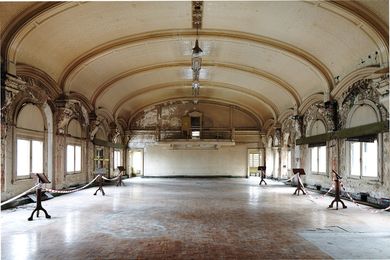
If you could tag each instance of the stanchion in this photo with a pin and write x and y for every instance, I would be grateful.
(121, 171)
(261, 170)
(100, 183)
(41, 180)
(337, 184)
(298, 172)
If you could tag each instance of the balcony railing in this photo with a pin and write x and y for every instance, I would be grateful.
(205, 134)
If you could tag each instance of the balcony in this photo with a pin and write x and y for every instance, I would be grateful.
(206, 139)
(196, 134)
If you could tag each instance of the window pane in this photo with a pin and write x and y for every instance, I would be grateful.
(250, 160)
(77, 166)
(322, 159)
(37, 157)
(355, 158)
(115, 159)
(256, 159)
(314, 166)
(370, 159)
(23, 158)
(119, 157)
(70, 158)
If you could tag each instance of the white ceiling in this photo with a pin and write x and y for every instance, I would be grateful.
(264, 56)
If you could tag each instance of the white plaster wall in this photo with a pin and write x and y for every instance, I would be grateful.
(269, 161)
(231, 161)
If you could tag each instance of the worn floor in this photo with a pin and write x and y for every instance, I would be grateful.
(194, 219)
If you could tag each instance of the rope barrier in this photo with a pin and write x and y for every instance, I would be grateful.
(290, 178)
(113, 179)
(322, 196)
(70, 191)
(349, 196)
(20, 195)
(358, 205)
(331, 188)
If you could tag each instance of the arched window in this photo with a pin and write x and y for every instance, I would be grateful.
(318, 151)
(30, 128)
(363, 150)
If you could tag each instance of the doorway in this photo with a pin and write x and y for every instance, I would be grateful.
(255, 159)
(136, 159)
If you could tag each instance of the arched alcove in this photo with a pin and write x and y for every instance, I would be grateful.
(317, 128)
(30, 117)
(362, 114)
(74, 128)
(101, 135)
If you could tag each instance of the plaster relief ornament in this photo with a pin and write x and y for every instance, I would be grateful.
(94, 128)
(359, 91)
(64, 117)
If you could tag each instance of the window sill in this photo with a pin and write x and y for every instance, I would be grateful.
(366, 178)
(72, 173)
(320, 173)
(22, 178)
(371, 179)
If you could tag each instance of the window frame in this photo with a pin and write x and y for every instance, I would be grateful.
(74, 144)
(251, 161)
(98, 161)
(30, 139)
(318, 172)
(360, 159)
(120, 163)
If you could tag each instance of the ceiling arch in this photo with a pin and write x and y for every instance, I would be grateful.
(270, 56)
(184, 64)
(183, 89)
(302, 56)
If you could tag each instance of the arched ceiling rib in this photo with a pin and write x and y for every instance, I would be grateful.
(184, 65)
(177, 35)
(209, 89)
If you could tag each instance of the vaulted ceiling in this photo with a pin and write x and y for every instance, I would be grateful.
(267, 57)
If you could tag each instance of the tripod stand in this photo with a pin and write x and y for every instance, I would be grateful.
(337, 192)
(41, 180)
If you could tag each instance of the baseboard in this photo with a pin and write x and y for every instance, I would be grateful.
(194, 176)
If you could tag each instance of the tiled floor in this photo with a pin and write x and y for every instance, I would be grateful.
(194, 219)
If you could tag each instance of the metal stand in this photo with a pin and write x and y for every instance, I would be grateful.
(262, 174)
(100, 181)
(299, 186)
(337, 191)
(121, 171)
(41, 179)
